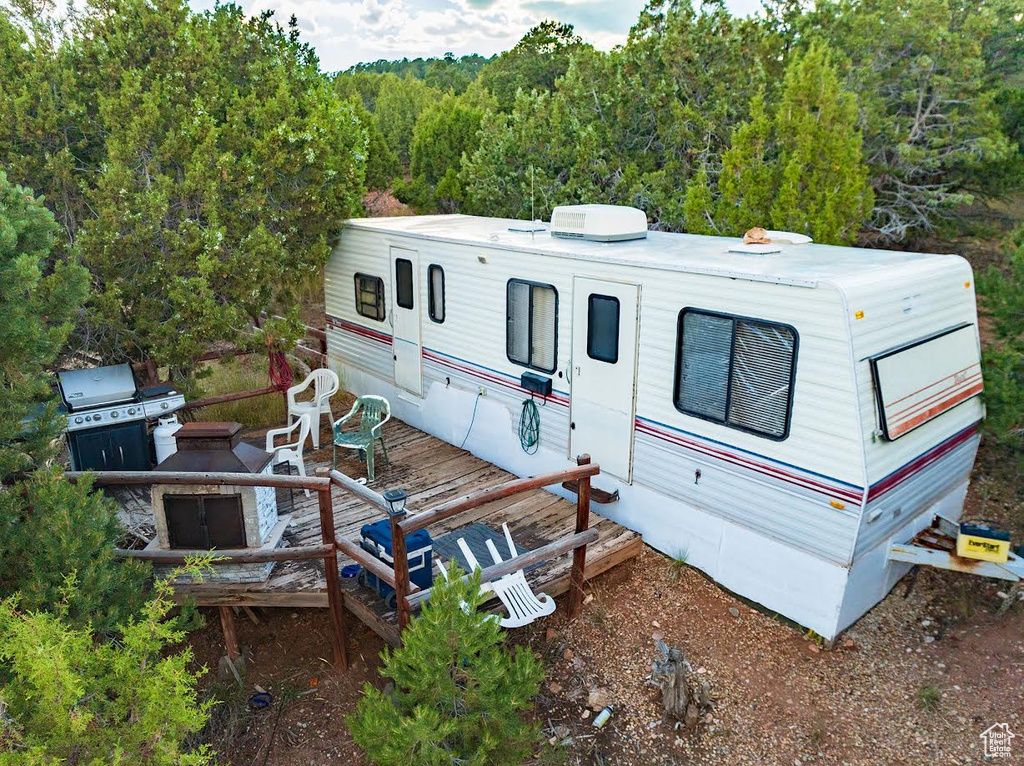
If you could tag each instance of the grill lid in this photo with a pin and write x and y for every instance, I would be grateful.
(97, 387)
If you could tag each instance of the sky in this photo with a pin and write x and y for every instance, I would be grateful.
(345, 32)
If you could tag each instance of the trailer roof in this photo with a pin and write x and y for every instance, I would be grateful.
(802, 265)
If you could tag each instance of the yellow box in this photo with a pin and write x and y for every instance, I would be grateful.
(982, 548)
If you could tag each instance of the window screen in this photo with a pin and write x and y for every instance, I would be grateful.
(403, 283)
(435, 292)
(603, 328)
(532, 317)
(736, 371)
(370, 296)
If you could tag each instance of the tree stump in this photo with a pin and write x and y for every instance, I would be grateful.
(682, 697)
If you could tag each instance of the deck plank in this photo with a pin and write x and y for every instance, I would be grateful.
(432, 472)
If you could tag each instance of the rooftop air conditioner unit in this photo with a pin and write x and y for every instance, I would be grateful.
(598, 223)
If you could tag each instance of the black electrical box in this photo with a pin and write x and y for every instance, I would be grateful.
(536, 383)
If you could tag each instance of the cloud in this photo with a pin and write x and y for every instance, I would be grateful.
(346, 32)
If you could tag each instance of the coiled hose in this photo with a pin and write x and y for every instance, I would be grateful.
(529, 427)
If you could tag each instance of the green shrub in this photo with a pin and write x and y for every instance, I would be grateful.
(51, 528)
(459, 695)
(72, 699)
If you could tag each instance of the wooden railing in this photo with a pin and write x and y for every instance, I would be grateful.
(407, 594)
(327, 550)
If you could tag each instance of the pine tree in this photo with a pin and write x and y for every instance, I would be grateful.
(36, 313)
(823, 183)
(51, 529)
(459, 693)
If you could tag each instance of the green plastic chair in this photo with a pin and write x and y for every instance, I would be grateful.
(374, 412)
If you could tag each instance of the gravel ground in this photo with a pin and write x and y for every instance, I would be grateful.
(778, 697)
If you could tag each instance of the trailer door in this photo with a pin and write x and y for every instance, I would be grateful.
(604, 357)
(405, 343)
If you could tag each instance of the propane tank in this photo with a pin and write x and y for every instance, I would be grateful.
(163, 437)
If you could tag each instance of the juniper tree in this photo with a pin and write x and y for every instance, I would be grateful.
(797, 169)
(68, 698)
(822, 188)
(459, 693)
(200, 166)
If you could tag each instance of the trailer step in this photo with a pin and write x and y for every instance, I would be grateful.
(596, 494)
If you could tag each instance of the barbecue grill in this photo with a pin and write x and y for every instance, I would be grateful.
(107, 417)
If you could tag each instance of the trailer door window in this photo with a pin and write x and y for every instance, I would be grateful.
(403, 283)
(370, 296)
(603, 328)
(532, 324)
(736, 371)
(435, 293)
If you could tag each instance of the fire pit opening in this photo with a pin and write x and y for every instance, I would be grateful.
(205, 521)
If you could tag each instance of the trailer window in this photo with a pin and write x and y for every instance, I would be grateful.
(403, 283)
(736, 371)
(435, 293)
(370, 296)
(531, 337)
(603, 328)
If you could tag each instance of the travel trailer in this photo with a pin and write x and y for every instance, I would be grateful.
(776, 414)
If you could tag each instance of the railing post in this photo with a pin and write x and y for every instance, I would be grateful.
(579, 554)
(401, 559)
(335, 600)
(227, 624)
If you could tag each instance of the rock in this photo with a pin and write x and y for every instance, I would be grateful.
(598, 699)
(929, 639)
(692, 717)
(586, 715)
(554, 687)
(813, 648)
(849, 644)
(655, 623)
(588, 598)
(568, 654)
(734, 611)
(550, 634)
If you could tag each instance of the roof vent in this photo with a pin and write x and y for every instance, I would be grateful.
(598, 223)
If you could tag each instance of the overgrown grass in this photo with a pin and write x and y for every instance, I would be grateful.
(246, 373)
(677, 564)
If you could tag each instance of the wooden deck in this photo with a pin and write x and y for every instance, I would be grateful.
(431, 471)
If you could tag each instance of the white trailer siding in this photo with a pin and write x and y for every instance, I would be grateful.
(906, 476)
(782, 521)
(813, 467)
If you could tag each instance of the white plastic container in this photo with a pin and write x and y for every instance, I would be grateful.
(163, 437)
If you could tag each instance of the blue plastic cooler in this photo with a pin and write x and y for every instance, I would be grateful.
(376, 540)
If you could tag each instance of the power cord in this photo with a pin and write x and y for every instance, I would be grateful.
(472, 420)
(529, 427)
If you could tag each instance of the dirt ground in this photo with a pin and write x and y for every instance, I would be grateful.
(777, 697)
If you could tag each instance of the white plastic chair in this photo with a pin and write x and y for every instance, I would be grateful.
(514, 592)
(292, 451)
(325, 385)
